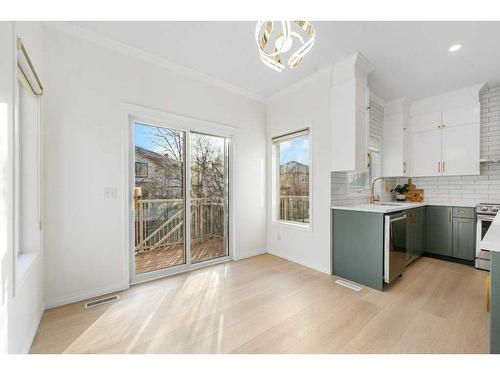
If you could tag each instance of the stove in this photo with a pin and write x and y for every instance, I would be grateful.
(485, 213)
(487, 208)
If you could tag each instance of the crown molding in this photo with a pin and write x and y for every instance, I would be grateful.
(353, 66)
(151, 58)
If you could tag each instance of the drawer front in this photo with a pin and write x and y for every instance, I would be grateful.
(464, 212)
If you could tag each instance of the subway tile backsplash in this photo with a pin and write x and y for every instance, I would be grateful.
(462, 189)
(454, 189)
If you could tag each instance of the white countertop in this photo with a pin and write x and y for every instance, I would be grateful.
(393, 206)
(383, 208)
(491, 240)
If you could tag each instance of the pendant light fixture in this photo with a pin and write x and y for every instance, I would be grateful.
(272, 42)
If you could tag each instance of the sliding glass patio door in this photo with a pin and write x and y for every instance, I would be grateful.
(209, 197)
(178, 174)
(159, 198)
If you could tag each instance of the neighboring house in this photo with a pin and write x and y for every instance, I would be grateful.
(294, 179)
(157, 175)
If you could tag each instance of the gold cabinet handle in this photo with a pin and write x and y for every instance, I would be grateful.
(404, 167)
(439, 167)
(449, 215)
(443, 166)
(369, 160)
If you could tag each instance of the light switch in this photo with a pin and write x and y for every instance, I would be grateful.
(110, 193)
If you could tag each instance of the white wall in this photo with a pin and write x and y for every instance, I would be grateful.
(22, 301)
(306, 105)
(6, 97)
(86, 254)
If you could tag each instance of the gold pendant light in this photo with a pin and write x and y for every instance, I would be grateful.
(273, 44)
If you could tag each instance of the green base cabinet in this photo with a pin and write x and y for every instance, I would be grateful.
(415, 233)
(358, 247)
(451, 231)
(439, 230)
(495, 304)
(463, 238)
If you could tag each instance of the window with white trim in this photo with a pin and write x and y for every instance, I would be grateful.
(359, 182)
(292, 177)
(28, 175)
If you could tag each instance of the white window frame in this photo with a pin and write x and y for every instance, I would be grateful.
(275, 179)
(25, 258)
(132, 114)
(366, 190)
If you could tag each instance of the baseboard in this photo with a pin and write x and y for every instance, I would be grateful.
(449, 259)
(87, 294)
(252, 254)
(319, 269)
(33, 331)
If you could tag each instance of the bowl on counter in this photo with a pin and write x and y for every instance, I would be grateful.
(386, 197)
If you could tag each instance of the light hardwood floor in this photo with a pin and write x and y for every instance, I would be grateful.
(266, 304)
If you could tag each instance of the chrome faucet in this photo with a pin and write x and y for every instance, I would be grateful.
(374, 199)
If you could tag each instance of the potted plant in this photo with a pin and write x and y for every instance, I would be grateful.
(400, 191)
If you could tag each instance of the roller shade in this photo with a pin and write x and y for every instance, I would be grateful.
(291, 135)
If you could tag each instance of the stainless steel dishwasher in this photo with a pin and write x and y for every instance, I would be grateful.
(395, 255)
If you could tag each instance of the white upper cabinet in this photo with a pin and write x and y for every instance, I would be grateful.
(446, 133)
(426, 121)
(426, 157)
(460, 151)
(349, 114)
(396, 145)
(463, 115)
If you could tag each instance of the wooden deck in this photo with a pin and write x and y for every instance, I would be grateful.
(169, 256)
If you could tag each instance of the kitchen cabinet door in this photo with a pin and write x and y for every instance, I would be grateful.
(461, 149)
(427, 121)
(470, 114)
(361, 140)
(439, 230)
(426, 153)
(415, 233)
(395, 146)
(495, 303)
(463, 238)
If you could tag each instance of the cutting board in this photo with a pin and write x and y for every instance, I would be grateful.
(414, 194)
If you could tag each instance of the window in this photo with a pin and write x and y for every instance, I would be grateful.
(291, 171)
(28, 180)
(375, 169)
(141, 169)
(359, 182)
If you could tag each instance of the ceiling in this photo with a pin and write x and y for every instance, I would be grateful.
(410, 58)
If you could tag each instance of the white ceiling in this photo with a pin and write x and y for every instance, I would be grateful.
(410, 58)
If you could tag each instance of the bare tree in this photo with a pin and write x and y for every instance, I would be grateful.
(207, 159)
(172, 144)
